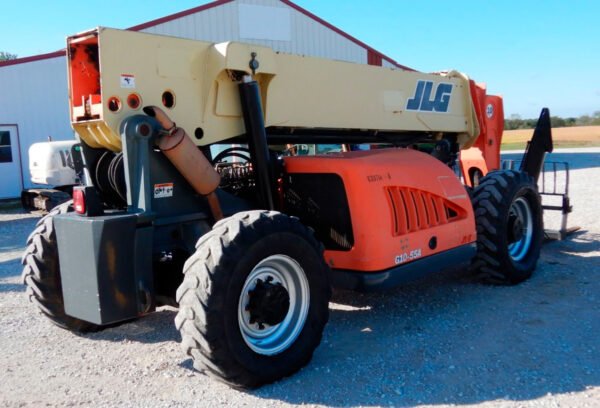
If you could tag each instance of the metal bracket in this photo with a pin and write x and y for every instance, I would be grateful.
(253, 64)
(554, 182)
(137, 135)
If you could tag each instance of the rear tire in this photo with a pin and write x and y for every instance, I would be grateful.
(508, 216)
(41, 273)
(254, 301)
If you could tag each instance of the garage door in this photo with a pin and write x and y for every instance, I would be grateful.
(10, 166)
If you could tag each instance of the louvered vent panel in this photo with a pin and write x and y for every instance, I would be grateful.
(415, 210)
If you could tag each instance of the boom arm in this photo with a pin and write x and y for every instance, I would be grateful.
(113, 73)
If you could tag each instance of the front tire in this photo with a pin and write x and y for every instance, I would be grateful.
(41, 273)
(508, 216)
(254, 300)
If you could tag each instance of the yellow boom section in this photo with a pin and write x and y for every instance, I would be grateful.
(114, 73)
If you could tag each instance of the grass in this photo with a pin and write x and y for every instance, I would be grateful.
(557, 145)
(580, 136)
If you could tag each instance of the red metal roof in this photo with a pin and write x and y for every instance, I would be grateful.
(32, 58)
(373, 55)
(344, 34)
(175, 16)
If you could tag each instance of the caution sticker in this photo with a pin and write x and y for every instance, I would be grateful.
(163, 190)
(127, 81)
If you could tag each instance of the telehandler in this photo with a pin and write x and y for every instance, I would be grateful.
(194, 194)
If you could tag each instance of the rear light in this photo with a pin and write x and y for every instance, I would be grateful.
(86, 201)
(79, 201)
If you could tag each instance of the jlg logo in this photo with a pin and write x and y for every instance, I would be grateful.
(422, 100)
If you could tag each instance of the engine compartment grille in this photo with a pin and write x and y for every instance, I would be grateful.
(415, 210)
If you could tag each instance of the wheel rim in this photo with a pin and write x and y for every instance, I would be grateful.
(520, 226)
(270, 339)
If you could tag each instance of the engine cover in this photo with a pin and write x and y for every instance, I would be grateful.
(376, 210)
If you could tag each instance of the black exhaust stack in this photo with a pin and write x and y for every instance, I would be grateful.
(538, 146)
(257, 140)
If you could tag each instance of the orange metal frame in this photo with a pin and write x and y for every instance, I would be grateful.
(404, 205)
(484, 155)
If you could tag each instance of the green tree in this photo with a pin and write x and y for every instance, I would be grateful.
(557, 121)
(584, 120)
(515, 121)
(5, 56)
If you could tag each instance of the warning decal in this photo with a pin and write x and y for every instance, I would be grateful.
(127, 81)
(163, 190)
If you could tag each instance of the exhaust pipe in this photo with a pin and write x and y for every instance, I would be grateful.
(188, 159)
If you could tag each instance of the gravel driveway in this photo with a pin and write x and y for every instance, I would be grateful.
(442, 341)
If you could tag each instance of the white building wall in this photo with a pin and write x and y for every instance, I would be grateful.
(34, 97)
(307, 36)
(387, 64)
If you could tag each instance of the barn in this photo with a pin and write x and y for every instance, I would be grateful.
(34, 99)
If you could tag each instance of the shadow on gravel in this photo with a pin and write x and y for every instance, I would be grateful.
(11, 287)
(18, 221)
(444, 341)
(582, 160)
(579, 242)
(157, 327)
(14, 233)
(11, 267)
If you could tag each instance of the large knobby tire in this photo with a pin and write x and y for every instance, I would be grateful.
(508, 216)
(41, 273)
(254, 300)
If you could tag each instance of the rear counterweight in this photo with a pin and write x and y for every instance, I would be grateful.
(106, 267)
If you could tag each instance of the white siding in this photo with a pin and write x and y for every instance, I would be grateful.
(308, 37)
(387, 64)
(34, 97)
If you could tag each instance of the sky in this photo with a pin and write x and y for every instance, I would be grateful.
(534, 53)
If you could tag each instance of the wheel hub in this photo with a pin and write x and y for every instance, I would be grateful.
(273, 304)
(519, 229)
(268, 304)
(515, 228)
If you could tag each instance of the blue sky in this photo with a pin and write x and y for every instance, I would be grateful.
(533, 53)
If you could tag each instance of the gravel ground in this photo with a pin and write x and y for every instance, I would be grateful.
(439, 342)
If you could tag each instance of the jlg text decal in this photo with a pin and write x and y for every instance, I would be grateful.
(422, 100)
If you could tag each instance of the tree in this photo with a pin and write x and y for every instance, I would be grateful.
(5, 56)
(584, 120)
(557, 121)
(515, 122)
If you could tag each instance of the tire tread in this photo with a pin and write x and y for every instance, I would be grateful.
(201, 295)
(41, 273)
(491, 201)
